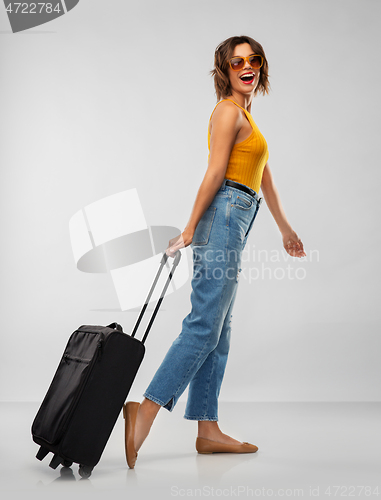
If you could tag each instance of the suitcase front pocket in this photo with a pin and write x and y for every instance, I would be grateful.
(55, 409)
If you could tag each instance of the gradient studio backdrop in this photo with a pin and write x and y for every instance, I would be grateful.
(116, 95)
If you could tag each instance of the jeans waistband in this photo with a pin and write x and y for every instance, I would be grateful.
(242, 187)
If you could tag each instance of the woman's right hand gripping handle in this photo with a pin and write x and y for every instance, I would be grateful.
(181, 241)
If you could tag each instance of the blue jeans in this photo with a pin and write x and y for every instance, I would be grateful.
(199, 354)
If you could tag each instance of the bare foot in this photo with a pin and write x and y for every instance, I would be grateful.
(144, 420)
(210, 430)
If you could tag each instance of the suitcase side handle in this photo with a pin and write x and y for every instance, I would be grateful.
(115, 326)
(163, 261)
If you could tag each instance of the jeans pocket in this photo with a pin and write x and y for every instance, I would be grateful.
(243, 202)
(204, 227)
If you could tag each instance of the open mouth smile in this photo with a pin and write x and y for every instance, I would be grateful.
(247, 77)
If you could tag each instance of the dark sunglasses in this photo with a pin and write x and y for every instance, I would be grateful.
(237, 63)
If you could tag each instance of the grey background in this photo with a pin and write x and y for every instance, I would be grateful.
(116, 95)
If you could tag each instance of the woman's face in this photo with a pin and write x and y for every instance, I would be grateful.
(237, 84)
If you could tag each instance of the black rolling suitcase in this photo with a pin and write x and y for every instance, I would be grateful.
(89, 389)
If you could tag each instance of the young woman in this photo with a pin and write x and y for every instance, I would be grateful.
(226, 205)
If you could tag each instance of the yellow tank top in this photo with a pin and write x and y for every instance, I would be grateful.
(248, 158)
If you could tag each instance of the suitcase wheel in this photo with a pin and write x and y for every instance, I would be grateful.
(66, 463)
(85, 471)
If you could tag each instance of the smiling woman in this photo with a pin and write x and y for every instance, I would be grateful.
(226, 206)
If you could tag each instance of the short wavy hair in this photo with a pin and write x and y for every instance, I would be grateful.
(223, 53)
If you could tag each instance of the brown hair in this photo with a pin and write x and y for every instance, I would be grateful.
(223, 53)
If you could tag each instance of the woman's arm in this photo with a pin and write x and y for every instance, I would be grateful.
(225, 125)
(291, 242)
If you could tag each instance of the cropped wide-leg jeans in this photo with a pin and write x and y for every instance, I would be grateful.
(199, 354)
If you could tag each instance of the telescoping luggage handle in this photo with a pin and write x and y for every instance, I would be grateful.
(164, 259)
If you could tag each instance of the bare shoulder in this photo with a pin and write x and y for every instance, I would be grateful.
(226, 109)
(226, 114)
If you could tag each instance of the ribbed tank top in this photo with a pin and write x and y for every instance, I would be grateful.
(248, 158)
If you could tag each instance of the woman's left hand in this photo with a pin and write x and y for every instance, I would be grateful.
(293, 244)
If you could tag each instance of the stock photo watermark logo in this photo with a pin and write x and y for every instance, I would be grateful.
(25, 15)
(111, 236)
(256, 264)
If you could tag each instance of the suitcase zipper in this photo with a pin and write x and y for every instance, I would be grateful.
(67, 357)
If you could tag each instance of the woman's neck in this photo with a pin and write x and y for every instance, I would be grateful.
(243, 100)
